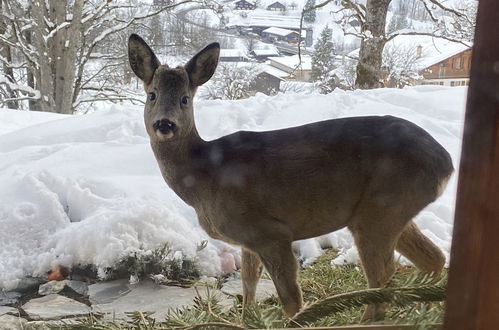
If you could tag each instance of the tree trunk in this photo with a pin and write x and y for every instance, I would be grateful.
(371, 47)
(65, 49)
(57, 65)
(6, 54)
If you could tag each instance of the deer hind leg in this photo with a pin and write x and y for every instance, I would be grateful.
(420, 250)
(251, 269)
(282, 266)
(376, 250)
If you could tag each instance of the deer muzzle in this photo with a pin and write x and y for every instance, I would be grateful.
(164, 128)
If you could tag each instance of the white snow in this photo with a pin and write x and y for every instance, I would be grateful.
(87, 190)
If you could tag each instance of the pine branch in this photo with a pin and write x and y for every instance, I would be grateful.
(342, 302)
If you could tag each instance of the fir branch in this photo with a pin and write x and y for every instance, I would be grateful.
(344, 301)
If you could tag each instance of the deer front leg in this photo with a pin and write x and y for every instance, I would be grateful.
(278, 259)
(251, 269)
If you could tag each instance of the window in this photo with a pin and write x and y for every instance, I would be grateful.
(458, 63)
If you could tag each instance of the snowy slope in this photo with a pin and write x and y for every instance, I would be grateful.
(87, 190)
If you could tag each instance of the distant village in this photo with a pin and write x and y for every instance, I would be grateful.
(441, 63)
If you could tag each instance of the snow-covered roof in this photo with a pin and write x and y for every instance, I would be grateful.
(433, 49)
(286, 22)
(265, 52)
(273, 71)
(279, 31)
(293, 61)
(232, 53)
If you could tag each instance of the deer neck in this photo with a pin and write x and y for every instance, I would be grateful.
(178, 165)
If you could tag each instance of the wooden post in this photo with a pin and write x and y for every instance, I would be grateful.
(473, 289)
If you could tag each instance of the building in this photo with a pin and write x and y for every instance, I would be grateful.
(454, 70)
(244, 5)
(266, 83)
(295, 70)
(276, 6)
(279, 34)
(233, 55)
(263, 54)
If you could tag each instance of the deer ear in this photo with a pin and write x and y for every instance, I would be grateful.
(142, 58)
(202, 66)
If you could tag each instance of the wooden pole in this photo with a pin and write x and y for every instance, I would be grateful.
(473, 289)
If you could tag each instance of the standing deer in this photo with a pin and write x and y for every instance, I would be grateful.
(264, 190)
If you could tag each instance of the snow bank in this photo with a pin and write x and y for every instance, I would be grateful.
(87, 190)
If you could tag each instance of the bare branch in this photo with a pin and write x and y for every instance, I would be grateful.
(415, 33)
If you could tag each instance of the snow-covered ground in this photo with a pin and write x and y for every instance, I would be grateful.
(77, 190)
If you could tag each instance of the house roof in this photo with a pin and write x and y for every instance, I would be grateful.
(433, 50)
(273, 71)
(292, 61)
(232, 53)
(279, 31)
(266, 52)
(285, 22)
(276, 4)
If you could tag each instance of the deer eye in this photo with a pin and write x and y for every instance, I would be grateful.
(151, 96)
(185, 99)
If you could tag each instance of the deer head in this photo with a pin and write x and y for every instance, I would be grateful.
(168, 113)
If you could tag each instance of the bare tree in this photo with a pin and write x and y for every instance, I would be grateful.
(56, 40)
(372, 18)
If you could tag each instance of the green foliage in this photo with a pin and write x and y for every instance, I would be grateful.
(309, 16)
(322, 62)
(160, 264)
(334, 295)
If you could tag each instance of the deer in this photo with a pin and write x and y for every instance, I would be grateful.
(264, 190)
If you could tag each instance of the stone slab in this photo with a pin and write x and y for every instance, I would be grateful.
(146, 296)
(9, 298)
(106, 292)
(8, 310)
(264, 290)
(9, 322)
(54, 306)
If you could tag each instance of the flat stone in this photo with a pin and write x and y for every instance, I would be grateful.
(54, 306)
(53, 324)
(28, 284)
(264, 290)
(52, 287)
(9, 322)
(9, 298)
(146, 296)
(8, 310)
(106, 292)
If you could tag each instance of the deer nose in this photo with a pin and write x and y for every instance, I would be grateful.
(164, 126)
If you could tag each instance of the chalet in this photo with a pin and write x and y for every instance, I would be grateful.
(244, 5)
(263, 54)
(296, 70)
(453, 70)
(266, 82)
(279, 34)
(276, 6)
(233, 55)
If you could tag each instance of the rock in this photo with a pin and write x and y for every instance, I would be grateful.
(9, 322)
(264, 290)
(8, 310)
(52, 287)
(54, 306)
(79, 287)
(28, 284)
(55, 324)
(9, 298)
(105, 292)
(147, 296)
